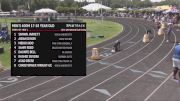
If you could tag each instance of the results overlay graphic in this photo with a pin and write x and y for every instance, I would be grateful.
(48, 49)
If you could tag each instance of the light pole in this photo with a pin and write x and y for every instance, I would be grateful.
(101, 13)
(76, 6)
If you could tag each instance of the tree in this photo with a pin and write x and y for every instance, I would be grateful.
(68, 3)
(104, 2)
(5, 5)
(14, 4)
(119, 3)
(168, 2)
(147, 3)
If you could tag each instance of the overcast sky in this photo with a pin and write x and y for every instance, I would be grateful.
(94, 0)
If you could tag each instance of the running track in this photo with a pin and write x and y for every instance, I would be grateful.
(140, 72)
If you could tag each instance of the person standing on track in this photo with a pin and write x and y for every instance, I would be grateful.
(169, 31)
(158, 24)
(176, 61)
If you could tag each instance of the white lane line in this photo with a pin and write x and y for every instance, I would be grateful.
(9, 80)
(29, 88)
(117, 53)
(120, 38)
(28, 78)
(159, 72)
(89, 74)
(144, 73)
(137, 33)
(155, 90)
(121, 44)
(1, 87)
(17, 82)
(130, 42)
(123, 29)
(156, 76)
(104, 63)
(118, 67)
(5, 77)
(136, 71)
(112, 43)
(118, 72)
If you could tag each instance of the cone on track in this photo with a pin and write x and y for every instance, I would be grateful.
(146, 38)
(95, 54)
(161, 31)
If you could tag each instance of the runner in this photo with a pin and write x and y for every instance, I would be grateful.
(116, 46)
(176, 61)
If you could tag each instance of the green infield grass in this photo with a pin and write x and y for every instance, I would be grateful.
(97, 29)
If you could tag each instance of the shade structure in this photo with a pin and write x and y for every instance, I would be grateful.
(14, 11)
(95, 7)
(121, 9)
(164, 7)
(45, 10)
(172, 11)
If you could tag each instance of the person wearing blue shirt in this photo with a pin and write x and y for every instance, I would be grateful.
(176, 61)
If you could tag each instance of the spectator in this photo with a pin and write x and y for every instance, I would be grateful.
(169, 31)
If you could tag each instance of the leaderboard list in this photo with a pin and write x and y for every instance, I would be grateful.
(48, 49)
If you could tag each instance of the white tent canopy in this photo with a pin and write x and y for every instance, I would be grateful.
(121, 9)
(95, 7)
(14, 11)
(172, 11)
(45, 10)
